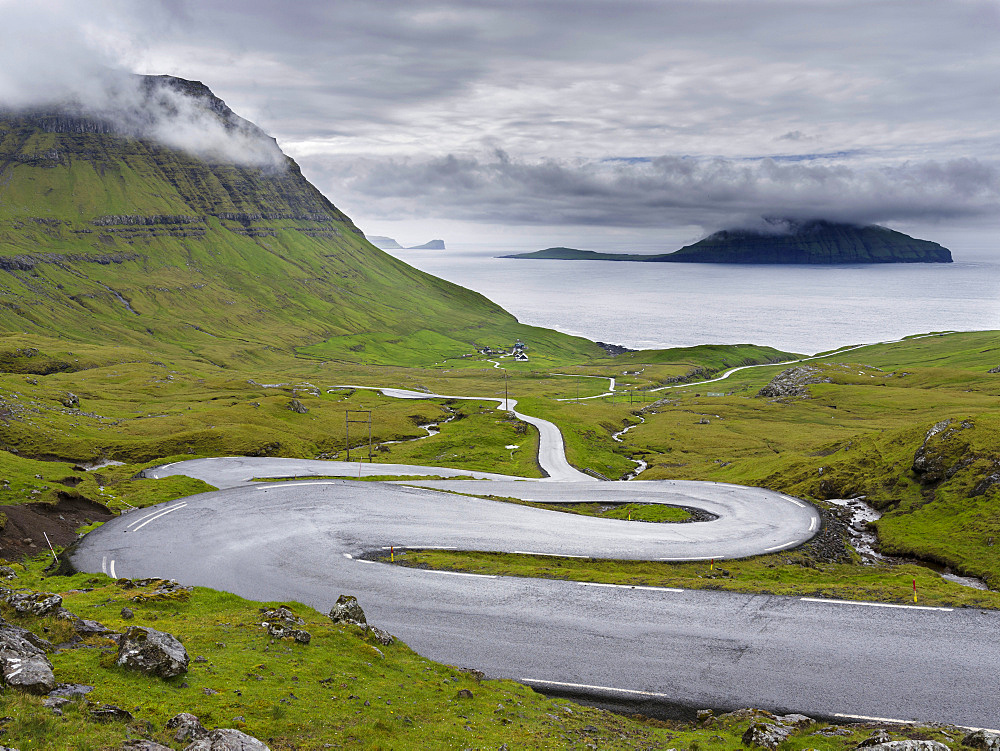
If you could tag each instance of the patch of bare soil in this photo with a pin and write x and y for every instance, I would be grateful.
(22, 533)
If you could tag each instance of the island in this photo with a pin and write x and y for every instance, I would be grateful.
(815, 242)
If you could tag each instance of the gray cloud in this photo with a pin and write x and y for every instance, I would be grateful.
(664, 191)
(395, 107)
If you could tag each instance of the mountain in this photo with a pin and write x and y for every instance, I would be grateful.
(385, 243)
(168, 221)
(432, 245)
(812, 242)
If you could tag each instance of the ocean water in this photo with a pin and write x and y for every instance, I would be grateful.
(804, 309)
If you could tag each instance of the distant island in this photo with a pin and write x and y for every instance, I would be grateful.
(816, 242)
(387, 243)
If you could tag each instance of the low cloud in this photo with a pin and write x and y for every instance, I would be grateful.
(662, 191)
(82, 75)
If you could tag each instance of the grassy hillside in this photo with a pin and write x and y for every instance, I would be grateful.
(108, 237)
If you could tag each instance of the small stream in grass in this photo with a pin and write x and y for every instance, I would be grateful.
(640, 464)
(864, 540)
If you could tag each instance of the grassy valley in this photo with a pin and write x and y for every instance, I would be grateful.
(155, 307)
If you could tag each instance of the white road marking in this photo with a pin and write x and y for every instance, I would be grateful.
(104, 564)
(779, 547)
(348, 555)
(270, 485)
(550, 555)
(161, 514)
(793, 500)
(598, 688)
(812, 524)
(630, 586)
(875, 719)
(164, 466)
(874, 604)
(112, 569)
(694, 558)
(460, 573)
(154, 512)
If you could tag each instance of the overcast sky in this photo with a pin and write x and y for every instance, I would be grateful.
(591, 123)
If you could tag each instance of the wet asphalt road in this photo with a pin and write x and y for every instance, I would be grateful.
(701, 648)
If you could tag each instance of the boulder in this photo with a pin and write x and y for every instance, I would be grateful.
(766, 734)
(347, 610)
(111, 713)
(281, 622)
(994, 370)
(226, 739)
(152, 652)
(23, 663)
(85, 627)
(71, 690)
(142, 744)
(793, 382)
(984, 740)
(382, 637)
(34, 603)
(187, 727)
(296, 406)
(908, 745)
(70, 400)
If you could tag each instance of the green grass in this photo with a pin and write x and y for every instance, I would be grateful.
(791, 574)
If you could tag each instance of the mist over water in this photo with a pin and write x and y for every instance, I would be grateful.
(804, 309)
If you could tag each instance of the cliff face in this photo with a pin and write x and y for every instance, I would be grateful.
(815, 242)
(95, 211)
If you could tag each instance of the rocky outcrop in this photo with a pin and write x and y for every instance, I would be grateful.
(281, 624)
(152, 652)
(186, 727)
(33, 603)
(227, 739)
(984, 740)
(347, 610)
(296, 406)
(942, 453)
(22, 660)
(907, 745)
(793, 382)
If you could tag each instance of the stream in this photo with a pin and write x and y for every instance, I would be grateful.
(640, 464)
(864, 540)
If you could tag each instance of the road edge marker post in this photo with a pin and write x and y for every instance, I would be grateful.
(914, 590)
(392, 554)
(54, 556)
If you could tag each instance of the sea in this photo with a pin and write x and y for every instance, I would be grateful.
(802, 309)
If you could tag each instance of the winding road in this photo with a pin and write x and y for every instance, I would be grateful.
(659, 650)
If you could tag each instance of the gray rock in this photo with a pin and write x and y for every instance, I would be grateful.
(909, 745)
(84, 627)
(34, 603)
(6, 572)
(143, 744)
(111, 713)
(152, 652)
(23, 663)
(226, 739)
(793, 382)
(347, 610)
(875, 739)
(796, 720)
(281, 623)
(71, 690)
(985, 740)
(942, 453)
(188, 727)
(766, 734)
(382, 637)
(70, 400)
(55, 703)
(994, 370)
(296, 406)
(127, 614)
